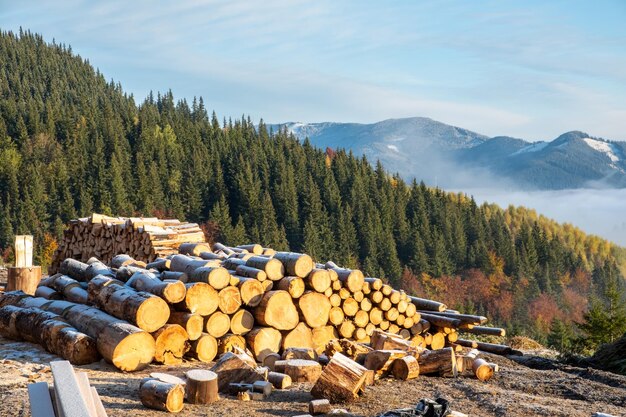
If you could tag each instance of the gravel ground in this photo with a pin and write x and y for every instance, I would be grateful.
(525, 386)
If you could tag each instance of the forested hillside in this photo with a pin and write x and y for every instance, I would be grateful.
(72, 143)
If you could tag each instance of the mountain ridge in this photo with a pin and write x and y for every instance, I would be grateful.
(427, 149)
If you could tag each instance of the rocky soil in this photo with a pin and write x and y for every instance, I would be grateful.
(525, 386)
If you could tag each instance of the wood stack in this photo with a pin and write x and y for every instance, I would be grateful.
(248, 304)
(142, 238)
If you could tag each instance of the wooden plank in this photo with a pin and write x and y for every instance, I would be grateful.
(85, 392)
(40, 401)
(67, 391)
(23, 250)
(100, 411)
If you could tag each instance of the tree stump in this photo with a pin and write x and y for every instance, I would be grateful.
(202, 386)
(23, 278)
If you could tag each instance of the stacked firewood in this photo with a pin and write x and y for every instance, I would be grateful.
(277, 309)
(143, 238)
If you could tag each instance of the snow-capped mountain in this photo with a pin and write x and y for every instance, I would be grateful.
(451, 156)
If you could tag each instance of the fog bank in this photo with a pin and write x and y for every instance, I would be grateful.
(596, 211)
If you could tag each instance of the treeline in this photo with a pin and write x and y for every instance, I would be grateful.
(72, 143)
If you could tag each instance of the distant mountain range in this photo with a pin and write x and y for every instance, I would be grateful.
(454, 157)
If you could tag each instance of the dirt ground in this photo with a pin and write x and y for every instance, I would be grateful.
(540, 387)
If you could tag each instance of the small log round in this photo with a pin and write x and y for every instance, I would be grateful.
(201, 386)
(204, 348)
(162, 396)
(217, 324)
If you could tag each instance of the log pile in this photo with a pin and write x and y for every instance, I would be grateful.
(243, 305)
(142, 238)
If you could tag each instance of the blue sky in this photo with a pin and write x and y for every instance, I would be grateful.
(531, 69)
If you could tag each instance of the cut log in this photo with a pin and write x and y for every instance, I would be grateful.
(296, 264)
(376, 297)
(229, 300)
(429, 305)
(252, 248)
(251, 291)
(300, 370)
(127, 347)
(201, 386)
(341, 381)
(74, 269)
(336, 316)
(300, 337)
(491, 331)
(24, 278)
(321, 336)
(482, 370)
(269, 361)
(200, 299)
(263, 341)
(318, 280)
(315, 309)
(162, 395)
(353, 350)
(192, 323)
(486, 347)
(374, 283)
(121, 260)
(440, 321)
(160, 264)
(174, 276)
(442, 361)
(376, 316)
(361, 318)
(279, 380)
(386, 341)
(347, 329)
(319, 407)
(47, 293)
(380, 361)
(234, 368)
(352, 279)
(350, 306)
(216, 276)
(299, 353)
(171, 291)
(172, 342)
(273, 268)
(405, 368)
(438, 341)
(277, 310)
(231, 343)
(217, 324)
(50, 331)
(204, 348)
(194, 249)
(293, 285)
(241, 322)
(186, 264)
(250, 272)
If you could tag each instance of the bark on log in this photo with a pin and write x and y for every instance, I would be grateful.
(300, 370)
(201, 387)
(352, 279)
(442, 361)
(491, 331)
(23, 278)
(186, 264)
(405, 368)
(192, 323)
(279, 380)
(429, 305)
(74, 269)
(216, 276)
(234, 368)
(341, 381)
(482, 370)
(162, 395)
(296, 264)
(194, 249)
(171, 291)
(248, 271)
(273, 268)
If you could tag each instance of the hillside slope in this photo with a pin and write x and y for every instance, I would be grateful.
(71, 144)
